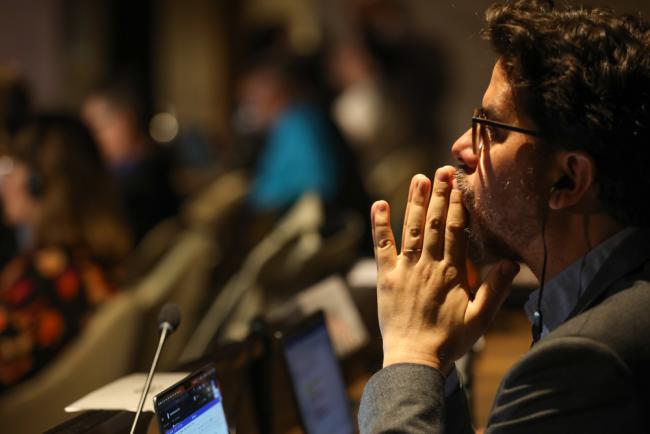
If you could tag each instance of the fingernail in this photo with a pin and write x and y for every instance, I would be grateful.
(381, 207)
(443, 174)
(423, 187)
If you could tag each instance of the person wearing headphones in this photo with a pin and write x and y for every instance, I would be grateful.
(57, 194)
(553, 173)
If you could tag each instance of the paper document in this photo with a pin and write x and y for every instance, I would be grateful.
(344, 323)
(124, 394)
(363, 274)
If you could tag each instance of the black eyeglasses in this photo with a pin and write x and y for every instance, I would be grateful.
(483, 133)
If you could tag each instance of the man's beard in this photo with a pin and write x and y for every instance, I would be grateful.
(490, 236)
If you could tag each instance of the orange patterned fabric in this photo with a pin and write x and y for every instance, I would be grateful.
(46, 298)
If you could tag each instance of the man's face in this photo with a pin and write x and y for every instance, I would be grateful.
(503, 184)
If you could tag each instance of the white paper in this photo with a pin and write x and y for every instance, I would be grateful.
(344, 323)
(124, 394)
(363, 274)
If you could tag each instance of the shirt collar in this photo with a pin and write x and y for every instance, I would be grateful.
(561, 294)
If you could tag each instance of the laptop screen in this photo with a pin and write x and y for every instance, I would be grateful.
(192, 406)
(317, 380)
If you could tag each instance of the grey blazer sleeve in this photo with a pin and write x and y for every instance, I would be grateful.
(409, 398)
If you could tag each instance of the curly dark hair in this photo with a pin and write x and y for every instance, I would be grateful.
(582, 74)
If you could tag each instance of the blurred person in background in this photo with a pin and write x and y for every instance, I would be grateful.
(15, 109)
(298, 148)
(298, 154)
(57, 191)
(143, 169)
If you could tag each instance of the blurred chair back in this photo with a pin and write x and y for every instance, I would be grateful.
(151, 249)
(102, 353)
(182, 277)
(328, 254)
(183, 272)
(241, 298)
(214, 205)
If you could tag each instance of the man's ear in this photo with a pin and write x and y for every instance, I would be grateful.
(577, 174)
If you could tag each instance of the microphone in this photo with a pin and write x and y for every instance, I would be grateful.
(168, 320)
(169, 317)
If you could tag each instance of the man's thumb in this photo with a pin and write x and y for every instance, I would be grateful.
(493, 292)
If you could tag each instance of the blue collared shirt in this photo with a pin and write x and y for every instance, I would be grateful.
(562, 293)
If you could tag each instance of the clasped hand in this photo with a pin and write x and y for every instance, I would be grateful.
(427, 312)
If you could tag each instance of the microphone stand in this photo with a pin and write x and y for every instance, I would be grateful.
(166, 327)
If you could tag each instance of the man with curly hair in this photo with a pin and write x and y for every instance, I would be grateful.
(553, 173)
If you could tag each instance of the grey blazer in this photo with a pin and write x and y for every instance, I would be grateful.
(589, 375)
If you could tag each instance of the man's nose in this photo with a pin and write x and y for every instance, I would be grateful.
(462, 150)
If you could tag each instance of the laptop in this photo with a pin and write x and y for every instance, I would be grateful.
(316, 377)
(192, 406)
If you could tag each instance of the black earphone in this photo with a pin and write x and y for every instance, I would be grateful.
(563, 183)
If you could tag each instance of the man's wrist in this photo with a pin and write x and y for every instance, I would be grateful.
(394, 358)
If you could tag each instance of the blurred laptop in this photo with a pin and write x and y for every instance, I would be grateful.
(192, 406)
(316, 377)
